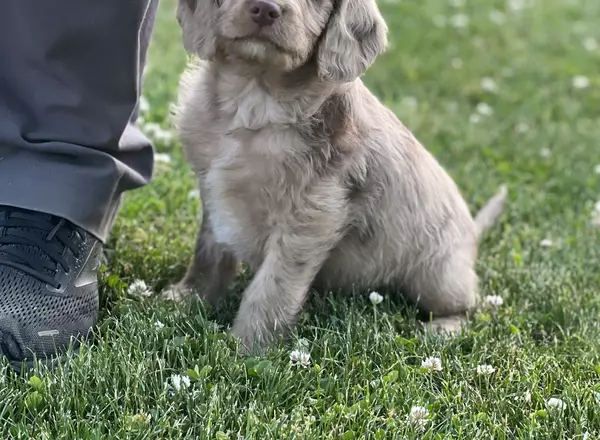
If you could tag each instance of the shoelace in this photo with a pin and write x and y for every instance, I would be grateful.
(46, 245)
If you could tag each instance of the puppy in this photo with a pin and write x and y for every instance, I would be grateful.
(305, 175)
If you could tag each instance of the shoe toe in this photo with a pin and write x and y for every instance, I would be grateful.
(11, 340)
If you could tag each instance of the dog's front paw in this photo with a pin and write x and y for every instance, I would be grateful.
(253, 342)
(177, 292)
(448, 326)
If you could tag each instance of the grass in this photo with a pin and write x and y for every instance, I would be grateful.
(544, 341)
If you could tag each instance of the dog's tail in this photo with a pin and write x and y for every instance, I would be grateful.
(490, 212)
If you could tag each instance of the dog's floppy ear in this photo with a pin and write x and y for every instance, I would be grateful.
(355, 35)
(196, 18)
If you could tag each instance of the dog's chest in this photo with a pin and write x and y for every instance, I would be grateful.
(248, 106)
(250, 187)
(257, 163)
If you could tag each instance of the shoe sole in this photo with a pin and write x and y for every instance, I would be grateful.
(29, 366)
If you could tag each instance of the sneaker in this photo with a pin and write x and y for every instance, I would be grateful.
(48, 286)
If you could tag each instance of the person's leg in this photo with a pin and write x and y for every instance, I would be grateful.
(69, 85)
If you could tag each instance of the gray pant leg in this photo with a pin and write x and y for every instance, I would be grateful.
(70, 73)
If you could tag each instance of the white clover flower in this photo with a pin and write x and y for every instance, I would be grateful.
(590, 44)
(156, 132)
(497, 16)
(418, 416)
(581, 82)
(459, 21)
(178, 382)
(162, 158)
(165, 136)
(300, 358)
(546, 243)
(456, 63)
(410, 102)
(596, 215)
(507, 72)
(478, 42)
(141, 418)
(545, 152)
(439, 21)
(521, 128)
(494, 300)
(516, 5)
(159, 325)
(194, 194)
(451, 107)
(475, 118)
(596, 219)
(484, 109)
(485, 370)
(151, 127)
(597, 169)
(139, 288)
(375, 298)
(489, 85)
(556, 403)
(144, 105)
(432, 364)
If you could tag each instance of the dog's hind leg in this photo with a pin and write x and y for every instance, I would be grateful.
(446, 287)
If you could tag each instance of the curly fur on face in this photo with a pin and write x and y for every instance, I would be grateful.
(343, 37)
(308, 178)
(355, 36)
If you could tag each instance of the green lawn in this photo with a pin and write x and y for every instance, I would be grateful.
(500, 91)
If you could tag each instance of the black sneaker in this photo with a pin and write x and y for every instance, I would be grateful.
(48, 286)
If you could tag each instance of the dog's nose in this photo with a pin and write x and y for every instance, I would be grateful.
(264, 13)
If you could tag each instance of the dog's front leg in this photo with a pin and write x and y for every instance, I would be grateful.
(271, 303)
(210, 270)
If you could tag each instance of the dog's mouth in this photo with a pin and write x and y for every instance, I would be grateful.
(258, 40)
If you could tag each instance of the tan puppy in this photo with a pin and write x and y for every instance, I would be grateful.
(305, 175)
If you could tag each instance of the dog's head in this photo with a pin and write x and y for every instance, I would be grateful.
(343, 37)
